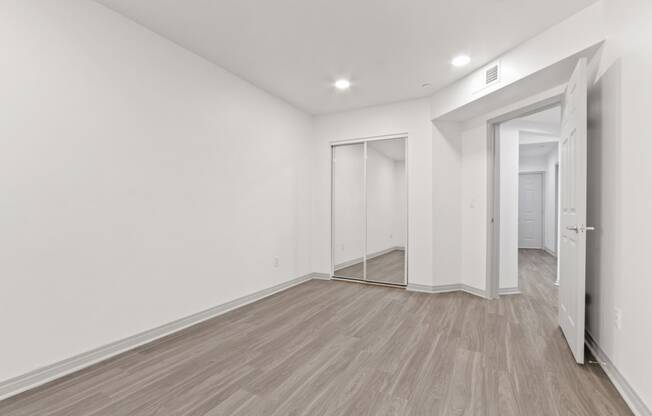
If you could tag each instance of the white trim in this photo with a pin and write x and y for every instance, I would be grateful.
(364, 210)
(547, 250)
(414, 287)
(320, 276)
(455, 287)
(369, 139)
(509, 291)
(633, 400)
(473, 291)
(330, 213)
(406, 256)
(70, 365)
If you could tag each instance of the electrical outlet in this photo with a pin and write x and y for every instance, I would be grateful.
(276, 262)
(618, 318)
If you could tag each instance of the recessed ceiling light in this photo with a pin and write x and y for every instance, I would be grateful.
(426, 85)
(342, 84)
(460, 60)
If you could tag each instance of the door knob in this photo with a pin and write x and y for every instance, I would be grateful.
(573, 228)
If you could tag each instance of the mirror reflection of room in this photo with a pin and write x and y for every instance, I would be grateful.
(370, 211)
(348, 210)
(386, 211)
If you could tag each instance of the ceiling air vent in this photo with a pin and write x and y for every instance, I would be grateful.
(491, 74)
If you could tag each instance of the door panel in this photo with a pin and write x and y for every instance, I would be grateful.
(386, 211)
(530, 210)
(348, 211)
(572, 250)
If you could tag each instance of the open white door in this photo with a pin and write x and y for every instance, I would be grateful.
(572, 250)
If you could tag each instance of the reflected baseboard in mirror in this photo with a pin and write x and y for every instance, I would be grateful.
(387, 266)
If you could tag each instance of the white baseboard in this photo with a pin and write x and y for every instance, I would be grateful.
(57, 370)
(552, 253)
(473, 291)
(414, 287)
(455, 287)
(630, 396)
(509, 291)
(320, 276)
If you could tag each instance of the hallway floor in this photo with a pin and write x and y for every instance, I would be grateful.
(338, 348)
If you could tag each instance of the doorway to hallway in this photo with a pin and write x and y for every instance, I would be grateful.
(506, 134)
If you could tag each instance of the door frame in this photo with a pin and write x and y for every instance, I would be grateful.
(557, 214)
(365, 140)
(543, 202)
(493, 185)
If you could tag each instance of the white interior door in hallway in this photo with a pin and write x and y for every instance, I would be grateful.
(572, 249)
(530, 210)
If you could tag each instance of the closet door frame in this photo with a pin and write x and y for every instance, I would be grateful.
(364, 141)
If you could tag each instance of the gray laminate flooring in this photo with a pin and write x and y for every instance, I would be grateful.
(338, 348)
(386, 268)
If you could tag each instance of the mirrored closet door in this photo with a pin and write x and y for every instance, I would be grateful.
(348, 211)
(369, 211)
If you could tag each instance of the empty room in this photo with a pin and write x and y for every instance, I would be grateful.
(325, 208)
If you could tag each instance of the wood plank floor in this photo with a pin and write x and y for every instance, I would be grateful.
(386, 268)
(337, 348)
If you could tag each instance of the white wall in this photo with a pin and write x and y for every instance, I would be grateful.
(508, 150)
(408, 117)
(620, 201)
(446, 161)
(139, 183)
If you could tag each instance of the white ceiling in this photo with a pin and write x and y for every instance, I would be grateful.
(540, 127)
(537, 149)
(296, 49)
(538, 132)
